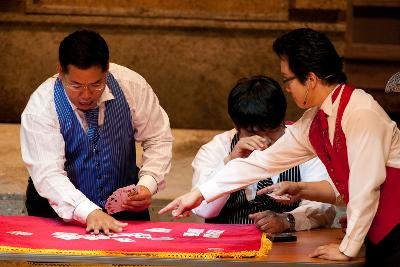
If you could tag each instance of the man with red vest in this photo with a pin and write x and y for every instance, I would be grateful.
(352, 135)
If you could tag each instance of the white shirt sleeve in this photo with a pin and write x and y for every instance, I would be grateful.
(292, 149)
(313, 214)
(208, 161)
(42, 148)
(369, 135)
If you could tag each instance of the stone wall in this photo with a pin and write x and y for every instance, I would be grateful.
(191, 52)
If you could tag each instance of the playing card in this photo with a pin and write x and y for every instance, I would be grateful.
(118, 197)
(283, 197)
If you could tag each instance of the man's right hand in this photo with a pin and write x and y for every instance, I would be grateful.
(181, 206)
(246, 145)
(98, 221)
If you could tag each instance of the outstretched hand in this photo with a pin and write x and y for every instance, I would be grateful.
(181, 206)
(291, 189)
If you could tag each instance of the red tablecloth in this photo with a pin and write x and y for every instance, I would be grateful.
(28, 234)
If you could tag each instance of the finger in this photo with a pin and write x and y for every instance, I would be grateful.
(258, 139)
(139, 197)
(265, 228)
(116, 228)
(183, 215)
(255, 144)
(262, 217)
(136, 204)
(89, 228)
(263, 222)
(121, 224)
(96, 230)
(255, 216)
(317, 252)
(178, 212)
(106, 230)
(170, 207)
(247, 147)
(267, 189)
(262, 143)
(136, 197)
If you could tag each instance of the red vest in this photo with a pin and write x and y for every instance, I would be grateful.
(336, 162)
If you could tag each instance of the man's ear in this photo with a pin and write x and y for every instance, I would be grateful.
(312, 80)
(59, 69)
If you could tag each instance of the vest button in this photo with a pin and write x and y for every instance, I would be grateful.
(332, 170)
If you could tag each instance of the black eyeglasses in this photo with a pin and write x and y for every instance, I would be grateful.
(289, 79)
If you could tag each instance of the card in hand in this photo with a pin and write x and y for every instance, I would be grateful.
(283, 197)
(118, 197)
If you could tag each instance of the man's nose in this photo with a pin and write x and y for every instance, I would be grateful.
(86, 93)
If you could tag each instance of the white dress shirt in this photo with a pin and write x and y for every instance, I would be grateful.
(373, 143)
(42, 143)
(210, 159)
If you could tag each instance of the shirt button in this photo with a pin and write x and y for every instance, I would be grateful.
(331, 169)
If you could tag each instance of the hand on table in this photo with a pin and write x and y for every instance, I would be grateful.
(181, 206)
(329, 252)
(140, 201)
(270, 222)
(98, 221)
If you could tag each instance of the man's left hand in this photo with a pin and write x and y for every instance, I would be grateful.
(140, 201)
(329, 252)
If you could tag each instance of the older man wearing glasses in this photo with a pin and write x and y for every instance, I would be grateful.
(78, 134)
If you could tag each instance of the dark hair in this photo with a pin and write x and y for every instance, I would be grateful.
(257, 103)
(83, 49)
(308, 51)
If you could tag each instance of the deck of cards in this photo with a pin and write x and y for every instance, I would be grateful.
(115, 201)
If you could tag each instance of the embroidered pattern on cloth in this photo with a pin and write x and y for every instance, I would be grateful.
(29, 234)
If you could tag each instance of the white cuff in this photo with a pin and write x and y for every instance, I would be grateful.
(210, 190)
(149, 182)
(83, 210)
(350, 247)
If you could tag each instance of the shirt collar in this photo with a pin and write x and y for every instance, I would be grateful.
(327, 105)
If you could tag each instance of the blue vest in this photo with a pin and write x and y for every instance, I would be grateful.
(98, 169)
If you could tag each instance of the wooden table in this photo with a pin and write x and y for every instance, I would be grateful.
(282, 254)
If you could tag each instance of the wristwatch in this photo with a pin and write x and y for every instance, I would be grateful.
(291, 221)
